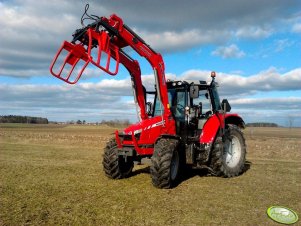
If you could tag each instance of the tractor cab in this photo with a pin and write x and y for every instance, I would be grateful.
(191, 104)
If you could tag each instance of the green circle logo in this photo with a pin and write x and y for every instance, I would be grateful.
(282, 214)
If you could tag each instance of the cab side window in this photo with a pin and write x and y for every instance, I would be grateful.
(203, 98)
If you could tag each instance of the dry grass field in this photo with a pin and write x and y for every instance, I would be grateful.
(52, 175)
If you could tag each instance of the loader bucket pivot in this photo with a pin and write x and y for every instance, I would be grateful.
(102, 53)
(73, 59)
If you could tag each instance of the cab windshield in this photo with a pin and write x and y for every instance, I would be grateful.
(177, 102)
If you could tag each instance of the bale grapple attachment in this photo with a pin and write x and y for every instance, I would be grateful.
(72, 58)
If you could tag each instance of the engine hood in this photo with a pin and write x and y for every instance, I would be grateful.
(143, 126)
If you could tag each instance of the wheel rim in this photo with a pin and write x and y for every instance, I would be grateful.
(174, 166)
(232, 151)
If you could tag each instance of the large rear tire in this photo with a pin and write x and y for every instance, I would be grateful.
(115, 166)
(165, 163)
(229, 153)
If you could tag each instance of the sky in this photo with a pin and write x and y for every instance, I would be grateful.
(254, 47)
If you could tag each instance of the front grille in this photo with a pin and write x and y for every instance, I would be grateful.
(126, 137)
(129, 137)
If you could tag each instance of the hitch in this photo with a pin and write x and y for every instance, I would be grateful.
(72, 58)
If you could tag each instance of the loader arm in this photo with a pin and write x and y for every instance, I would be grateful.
(110, 35)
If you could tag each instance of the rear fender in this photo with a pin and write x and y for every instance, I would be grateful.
(235, 120)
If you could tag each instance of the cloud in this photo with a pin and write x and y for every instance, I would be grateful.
(274, 109)
(111, 98)
(32, 31)
(159, 15)
(264, 81)
(231, 51)
(282, 44)
(254, 32)
(31, 34)
(65, 102)
(295, 22)
(280, 103)
(275, 47)
(180, 40)
(297, 28)
(281, 117)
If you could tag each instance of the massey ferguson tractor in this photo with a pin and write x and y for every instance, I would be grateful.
(185, 125)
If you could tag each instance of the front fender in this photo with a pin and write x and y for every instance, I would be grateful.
(215, 122)
(210, 129)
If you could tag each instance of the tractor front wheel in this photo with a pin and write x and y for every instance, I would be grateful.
(165, 163)
(229, 153)
(114, 165)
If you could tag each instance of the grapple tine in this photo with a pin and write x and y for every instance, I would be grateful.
(76, 53)
(104, 45)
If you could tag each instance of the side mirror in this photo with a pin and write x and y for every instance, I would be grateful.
(194, 91)
(149, 108)
(225, 105)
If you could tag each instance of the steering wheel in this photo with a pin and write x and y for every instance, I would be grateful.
(208, 113)
(180, 109)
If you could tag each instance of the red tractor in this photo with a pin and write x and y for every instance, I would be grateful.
(185, 125)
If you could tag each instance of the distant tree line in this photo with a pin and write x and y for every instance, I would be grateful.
(79, 122)
(116, 122)
(22, 119)
(261, 124)
(113, 122)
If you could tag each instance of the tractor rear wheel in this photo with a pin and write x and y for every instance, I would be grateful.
(165, 163)
(114, 165)
(229, 153)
